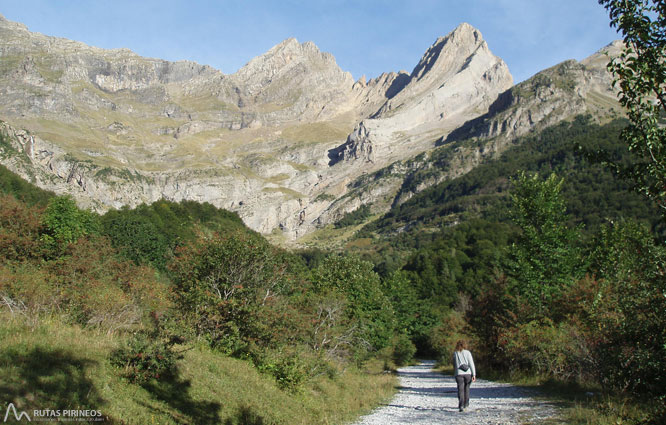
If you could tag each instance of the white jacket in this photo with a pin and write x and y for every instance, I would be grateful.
(463, 357)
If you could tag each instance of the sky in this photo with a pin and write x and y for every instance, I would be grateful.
(366, 37)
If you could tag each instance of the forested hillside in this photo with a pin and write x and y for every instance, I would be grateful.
(532, 257)
(169, 295)
(593, 194)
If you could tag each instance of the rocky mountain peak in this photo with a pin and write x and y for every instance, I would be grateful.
(297, 79)
(283, 59)
(5, 23)
(457, 78)
(449, 54)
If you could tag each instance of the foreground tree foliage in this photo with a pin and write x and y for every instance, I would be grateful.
(640, 75)
(249, 299)
(545, 258)
(52, 261)
(630, 310)
(231, 290)
(63, 223)
(366, 306)
(148, 234)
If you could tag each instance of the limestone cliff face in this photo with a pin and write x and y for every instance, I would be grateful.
(559, 93)
(289, 141)
(455, 80)
(565, 90)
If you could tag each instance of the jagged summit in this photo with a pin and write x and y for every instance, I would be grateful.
(4, 22)
(285, 56)
(457, 79)
(300, 79)
(462, 41)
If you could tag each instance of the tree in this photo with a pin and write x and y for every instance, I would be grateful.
(640, 73)
(629, 311)
(225, 285)
(407, 307)
(136, 237)
(64, 223)
(367, 306)
(544, 260)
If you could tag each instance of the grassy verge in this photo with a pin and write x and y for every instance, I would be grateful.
(56, 366)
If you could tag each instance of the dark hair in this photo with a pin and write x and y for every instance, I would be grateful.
(460, 345)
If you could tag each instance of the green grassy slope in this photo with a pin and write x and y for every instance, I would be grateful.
(52, 365)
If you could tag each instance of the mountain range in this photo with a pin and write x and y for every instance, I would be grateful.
(290, 141)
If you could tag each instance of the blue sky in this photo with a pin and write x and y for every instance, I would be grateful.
(366, 37)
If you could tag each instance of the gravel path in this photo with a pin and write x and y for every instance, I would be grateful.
(428, 397)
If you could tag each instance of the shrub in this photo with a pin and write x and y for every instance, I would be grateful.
(25, 290)
(403, 350)
(64, 223)
(19, 230)
(287, 369)
(95, 288)
(147, 356)
(443, 338)
(136, 237)
(540, 346)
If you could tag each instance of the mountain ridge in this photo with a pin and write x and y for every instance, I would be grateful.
(285, 141)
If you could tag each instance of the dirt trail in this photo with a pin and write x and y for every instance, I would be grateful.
(428, 397)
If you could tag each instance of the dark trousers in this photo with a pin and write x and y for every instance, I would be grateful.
(463, 382)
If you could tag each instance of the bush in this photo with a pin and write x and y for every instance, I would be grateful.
(403, 350)
(287, 369)
(146, 356)
(97, 289)
(561, 351)
(63, 223)
(136, 237)
(25, 290)
(19, 230)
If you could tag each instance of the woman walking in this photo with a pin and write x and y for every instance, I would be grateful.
(464, 373)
